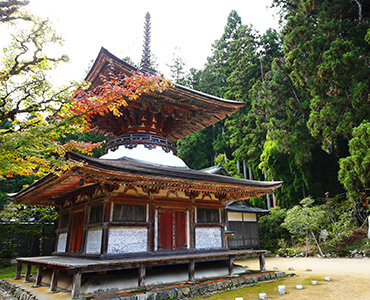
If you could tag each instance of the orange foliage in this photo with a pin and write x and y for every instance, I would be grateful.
(83, 147)
(114, 92)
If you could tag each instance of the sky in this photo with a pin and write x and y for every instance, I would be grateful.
(187, 28)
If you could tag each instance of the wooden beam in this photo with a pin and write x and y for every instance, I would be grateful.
(54, 281)
(142, 275)
(262, 262)
(191, 270)
(230, 263)
(27, 278)
(76, 285)
(38, 277)
(19, 271)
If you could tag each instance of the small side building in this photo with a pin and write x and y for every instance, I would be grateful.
(242, 219)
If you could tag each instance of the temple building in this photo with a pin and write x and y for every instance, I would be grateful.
(139, 205)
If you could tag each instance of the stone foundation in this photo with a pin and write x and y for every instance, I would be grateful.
(9, 291)
(185, 291)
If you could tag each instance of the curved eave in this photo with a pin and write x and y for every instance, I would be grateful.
(104, 56)
(134, 167)
(205, 109)
(126, 171)
(101, 63)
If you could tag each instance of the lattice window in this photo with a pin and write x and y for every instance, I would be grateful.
(207, 215)
(129, 213)
(96, 214)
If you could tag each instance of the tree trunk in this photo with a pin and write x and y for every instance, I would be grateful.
(306, 243)
(317, 244)
(41, 238)
(250, 172)
(267, 195)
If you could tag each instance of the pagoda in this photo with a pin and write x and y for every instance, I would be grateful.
(139, 205)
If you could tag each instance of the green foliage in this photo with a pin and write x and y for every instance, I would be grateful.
(229, 165)
(332, 220)
(29, 104)
(203, 156)
(25, 219)
(354, 171)
(7, 270)
(270, 230)
(326, 51)
(305, 218)
(177, 69)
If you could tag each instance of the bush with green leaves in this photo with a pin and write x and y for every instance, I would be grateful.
(271, 231)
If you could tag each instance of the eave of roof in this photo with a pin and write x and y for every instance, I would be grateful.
(105, 54)
(205, 109)
(124, 171)
(131, 166)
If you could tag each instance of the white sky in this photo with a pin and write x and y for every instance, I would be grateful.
(188, 28)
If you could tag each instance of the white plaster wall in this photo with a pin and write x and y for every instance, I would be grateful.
(93, 241)
(206, 238)
(127, 240)
(235, 216)
(62, 242)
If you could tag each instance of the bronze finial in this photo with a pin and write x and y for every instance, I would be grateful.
(145, 60)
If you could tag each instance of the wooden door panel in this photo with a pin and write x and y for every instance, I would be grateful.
(165, 229)
(180, 229)
(77, 232)
(172, 229)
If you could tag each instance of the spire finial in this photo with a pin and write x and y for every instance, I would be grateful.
(145, 60)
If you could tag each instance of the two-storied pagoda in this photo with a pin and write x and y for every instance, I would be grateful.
(139, 205)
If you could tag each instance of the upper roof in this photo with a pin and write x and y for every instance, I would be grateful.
(196, 110)
(133, 172)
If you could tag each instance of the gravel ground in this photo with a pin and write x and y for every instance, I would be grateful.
(5, 296)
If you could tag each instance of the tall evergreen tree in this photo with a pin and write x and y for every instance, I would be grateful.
(212, 80)
(326, 51)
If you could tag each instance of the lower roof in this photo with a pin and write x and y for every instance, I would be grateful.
(134, 172)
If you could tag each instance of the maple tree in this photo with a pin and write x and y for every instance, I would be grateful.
(34, 115)
(113, 94)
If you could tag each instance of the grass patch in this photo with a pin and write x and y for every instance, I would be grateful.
(252, 291)
(307, 280)
(8, 271)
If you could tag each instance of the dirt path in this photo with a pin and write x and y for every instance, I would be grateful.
(350, 278)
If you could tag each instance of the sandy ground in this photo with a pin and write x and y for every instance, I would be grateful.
(350, 278)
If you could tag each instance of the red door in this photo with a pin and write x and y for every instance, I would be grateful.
(77, 232)
(172, 229)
